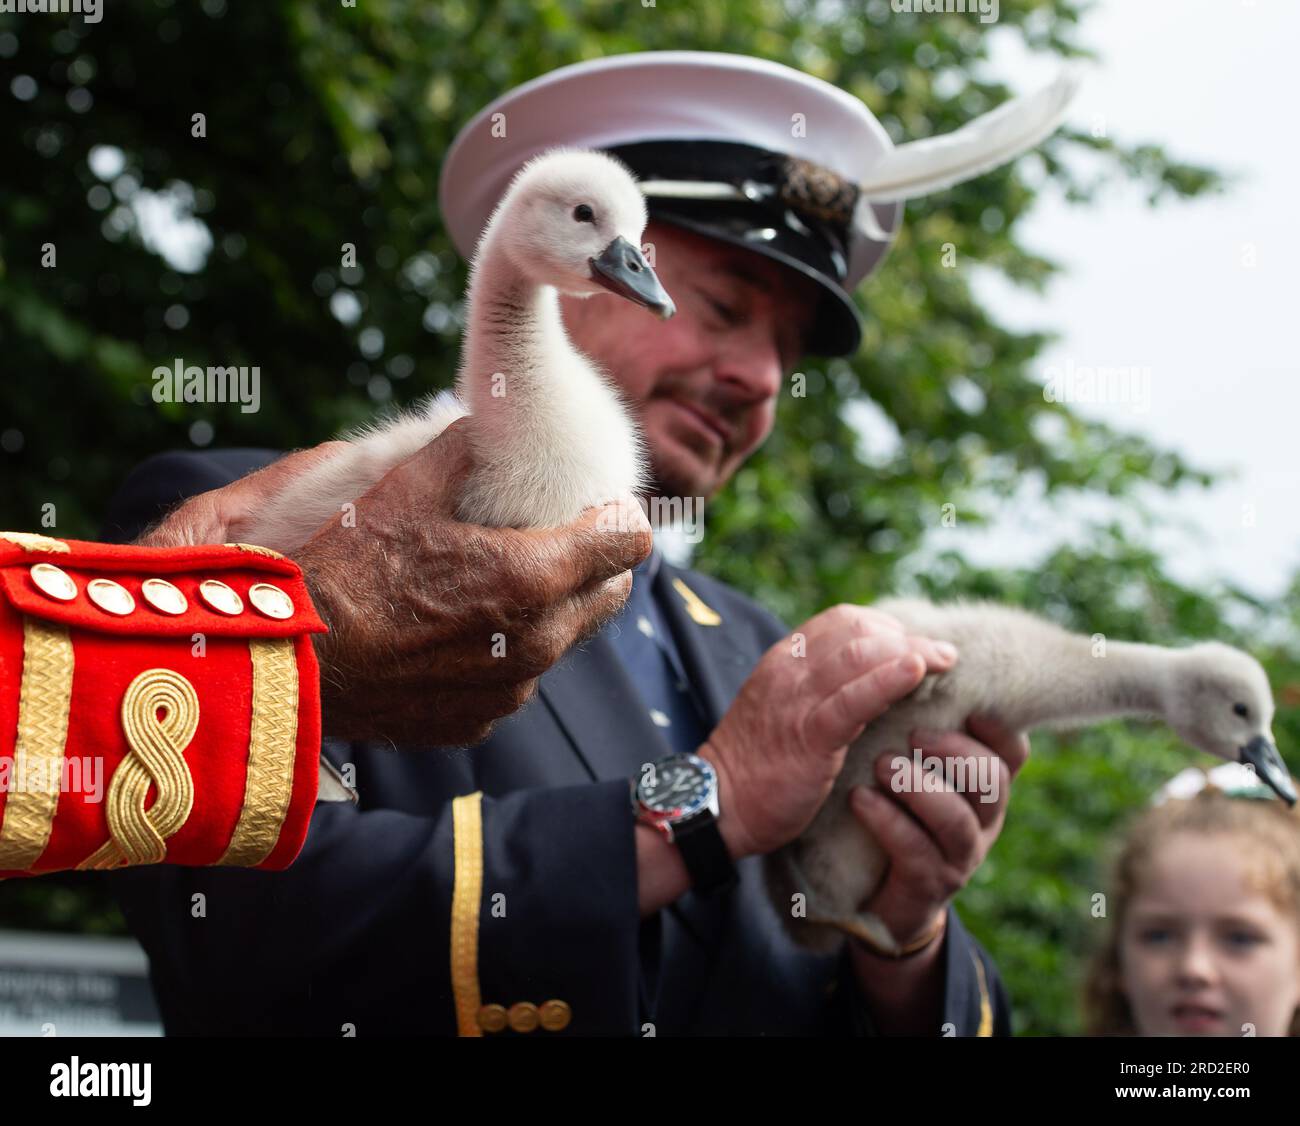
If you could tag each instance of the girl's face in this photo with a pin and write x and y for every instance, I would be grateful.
(1202, 952)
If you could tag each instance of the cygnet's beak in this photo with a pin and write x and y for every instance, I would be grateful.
(622, 269)
(1268, 764)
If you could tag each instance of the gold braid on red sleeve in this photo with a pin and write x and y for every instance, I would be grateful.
(157, 705)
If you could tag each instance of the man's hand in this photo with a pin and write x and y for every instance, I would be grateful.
(782, 743)
(437, 627)
(220, 515)
(936, 840)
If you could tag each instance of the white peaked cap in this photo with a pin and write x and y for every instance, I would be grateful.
(810, 164)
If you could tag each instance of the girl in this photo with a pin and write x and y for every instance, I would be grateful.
(1205, 934)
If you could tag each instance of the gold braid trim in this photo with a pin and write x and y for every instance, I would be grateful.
(157, 751)
(272, 743)
(986, 1012)
(44, 701)
(33, 541)
(467, 827)
(255, 549)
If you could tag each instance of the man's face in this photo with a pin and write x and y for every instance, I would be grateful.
(704, 384)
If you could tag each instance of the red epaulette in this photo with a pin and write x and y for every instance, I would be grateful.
(157, 705)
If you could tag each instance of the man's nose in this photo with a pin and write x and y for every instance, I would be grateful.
(750, 365)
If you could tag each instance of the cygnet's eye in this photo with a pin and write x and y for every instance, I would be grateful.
(1241, 710)
(584, 214)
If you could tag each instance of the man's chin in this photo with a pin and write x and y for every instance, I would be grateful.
(671, 479)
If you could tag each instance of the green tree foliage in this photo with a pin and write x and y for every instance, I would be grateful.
(325, 124)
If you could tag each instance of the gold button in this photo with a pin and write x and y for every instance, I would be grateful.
(111, 597)
(524, 1017)
(54, 582)
(220, 597)
(163, 597)
(492, 1018)
(271, 601)
(555, 1015)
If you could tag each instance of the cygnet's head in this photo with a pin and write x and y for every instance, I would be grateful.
(1222, 704)
(573, 219)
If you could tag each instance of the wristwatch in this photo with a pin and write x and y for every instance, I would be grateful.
(678, 797)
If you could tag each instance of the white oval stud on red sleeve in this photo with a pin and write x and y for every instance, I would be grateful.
(220, 597)
(54, 582)
(111, 597)
(163, 597)
(270, 600)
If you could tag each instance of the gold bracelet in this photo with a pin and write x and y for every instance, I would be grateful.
(915, 947)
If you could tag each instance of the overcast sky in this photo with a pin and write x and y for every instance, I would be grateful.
(1171, 289)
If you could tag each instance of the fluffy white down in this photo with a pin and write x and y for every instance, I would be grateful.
(550, 433)
(1030, 673)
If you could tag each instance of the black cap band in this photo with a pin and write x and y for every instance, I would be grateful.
(793, 212)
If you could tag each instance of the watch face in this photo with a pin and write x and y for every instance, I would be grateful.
(677, 786)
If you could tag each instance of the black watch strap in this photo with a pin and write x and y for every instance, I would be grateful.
(707, 859)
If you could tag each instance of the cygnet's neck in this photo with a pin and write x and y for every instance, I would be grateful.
(1086, 681)
(515, 335)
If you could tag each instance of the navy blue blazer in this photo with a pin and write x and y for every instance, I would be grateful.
(357, 931)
